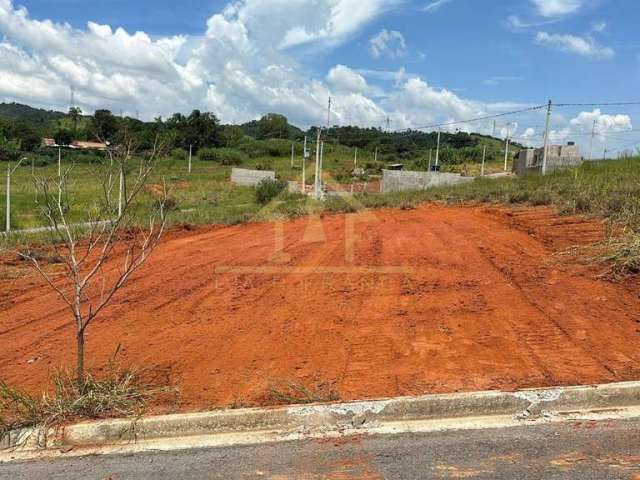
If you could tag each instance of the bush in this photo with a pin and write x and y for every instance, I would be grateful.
(223, 156)
(207, 154)
(229, 156)
(178, 154)
(269, 189)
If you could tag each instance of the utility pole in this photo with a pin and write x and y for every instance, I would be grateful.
(8, 207)
(438, 150)
(305, 154)
(59, 161)
(329, 114)
(317, 179)
(355, 158)
(430, 152)
(293, 152)
(484, 156)
(375, 156)
(190, 155)
(121, 192)
(321, 161)
(546, 140)
(388, 124)
(494, 129)
(593, 134)
(506, 147)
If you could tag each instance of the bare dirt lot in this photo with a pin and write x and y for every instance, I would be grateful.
(434, 299)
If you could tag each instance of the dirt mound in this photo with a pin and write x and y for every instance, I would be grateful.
(435, 299)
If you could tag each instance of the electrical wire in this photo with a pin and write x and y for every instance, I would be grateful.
(478, 119)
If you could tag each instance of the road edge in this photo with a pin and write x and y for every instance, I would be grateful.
(395, 415)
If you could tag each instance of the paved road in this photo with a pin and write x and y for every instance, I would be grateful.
(579, 451)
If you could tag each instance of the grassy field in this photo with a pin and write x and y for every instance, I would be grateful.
(607, 189)
(204, 196)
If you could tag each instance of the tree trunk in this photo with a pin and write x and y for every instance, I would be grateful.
(80, 360)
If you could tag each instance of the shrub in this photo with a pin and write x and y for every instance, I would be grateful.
(229, 156)
(269, 189)
(207, 154)
(178, 154)
(223, 156)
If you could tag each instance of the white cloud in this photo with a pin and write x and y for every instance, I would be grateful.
(240, 68)
(388, 43)
(516, 24)
(435, 5)
(345, 79)
(586, 46)
(556, 8)
(498, 80)
(583, 123)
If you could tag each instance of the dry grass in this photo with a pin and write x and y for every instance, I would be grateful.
(623, 256)
(116, 393)
(291, 393)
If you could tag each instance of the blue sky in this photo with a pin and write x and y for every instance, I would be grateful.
(418, 62)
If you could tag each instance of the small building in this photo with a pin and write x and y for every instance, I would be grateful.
(82, 145)
(75, 145)
(558, 156)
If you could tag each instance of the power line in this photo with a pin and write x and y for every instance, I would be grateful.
(614, 104)
(478, 119)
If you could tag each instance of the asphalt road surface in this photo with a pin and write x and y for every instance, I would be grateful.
(580, 451)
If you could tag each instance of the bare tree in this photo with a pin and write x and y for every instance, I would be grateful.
(116, 238)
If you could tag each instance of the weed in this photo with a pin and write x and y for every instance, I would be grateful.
(291, 393)
(116, 393)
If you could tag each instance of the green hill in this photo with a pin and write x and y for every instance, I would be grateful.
(25, 113)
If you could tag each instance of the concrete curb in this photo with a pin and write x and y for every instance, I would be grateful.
(316, 419)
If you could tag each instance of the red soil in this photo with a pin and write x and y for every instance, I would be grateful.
(479, 302)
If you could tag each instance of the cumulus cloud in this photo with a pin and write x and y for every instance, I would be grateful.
(585, 46)
(345, 79)
(240, 68)
(388, 43)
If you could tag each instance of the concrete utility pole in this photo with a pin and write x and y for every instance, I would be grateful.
(190, 155)
(121, 193)
(305, 154)
(375, 156)
(593, 134)
(293, 152)
(329, 115)
(355, 158)
(317, 179)
(59, 161)
(494, 129)
(430, 152)
(8, 207)
(546, 140)
(438, 150)
(506, 147)
(484, 156)
(321, 161)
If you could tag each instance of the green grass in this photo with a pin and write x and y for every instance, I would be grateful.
(607, 189)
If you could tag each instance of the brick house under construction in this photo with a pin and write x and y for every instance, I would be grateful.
(558, 156)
